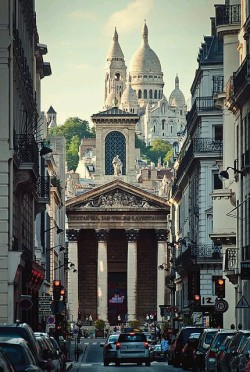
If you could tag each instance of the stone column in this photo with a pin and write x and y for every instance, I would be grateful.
(73, 303)
(102, 275)
(161, 236)
(132, 273)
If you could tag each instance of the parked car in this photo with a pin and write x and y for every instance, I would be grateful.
(234, 349)
(61, 353)
(243, 355)
(132, 348)
(176, 347)
(48, 352)
(247, 366)
(19, 353)
(188, 350)
(222, 351)
(204, 343)
(211, 354)
(5, 364)
(150, 338)
(109, 348)
(157, 354)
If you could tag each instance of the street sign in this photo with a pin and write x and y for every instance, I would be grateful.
(197, 318)
(51, 319)
(242, 304)
(221, 306)
(208, 300)
(245, 270)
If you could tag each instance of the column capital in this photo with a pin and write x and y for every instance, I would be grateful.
(72, 235)
(102, 235)
(132, 235)
(162, 234)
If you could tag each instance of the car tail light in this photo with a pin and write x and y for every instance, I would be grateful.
(118, 345)
(211, 354)
(146, 345)
(108, 347)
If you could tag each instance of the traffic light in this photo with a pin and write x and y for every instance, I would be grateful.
(57, 287)
(197, 300)
(220, 288)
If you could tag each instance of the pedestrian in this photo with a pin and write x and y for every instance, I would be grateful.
(119, 320)
(239, 326)
(165, 347)
(232, 326)
(147, 318)
(87, 320)
(90, 320)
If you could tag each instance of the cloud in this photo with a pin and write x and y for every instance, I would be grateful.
(127, 19)
(83, 15)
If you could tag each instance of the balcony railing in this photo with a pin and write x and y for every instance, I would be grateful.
(207, 145)
(197, 253)
(218, 84)
(242, 75)
(26, 150)
(227, 14)
(231, 259)
(43, 187)
(201, 104)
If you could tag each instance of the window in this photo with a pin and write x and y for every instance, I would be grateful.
(139, 93)
(145, 94)
(217, 182)
(150, 94)
(163, 124)
(155, 94)
(115, 144)
(218, 132)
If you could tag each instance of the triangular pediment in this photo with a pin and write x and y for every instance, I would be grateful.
(114, 111)
(117, 195)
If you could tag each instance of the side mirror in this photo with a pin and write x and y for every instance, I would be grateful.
(102, 344)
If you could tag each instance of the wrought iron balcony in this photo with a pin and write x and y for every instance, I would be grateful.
(43, 188)
(241, 79)
(199, 146)
(198, 254)
(227, 14)
(26, 151)
(231, 261)
(218, 84)
(201, 105)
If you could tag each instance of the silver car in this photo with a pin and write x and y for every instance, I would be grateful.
(109, 349)
(132, 348)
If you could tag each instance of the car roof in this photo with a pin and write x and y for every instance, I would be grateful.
(13, 340)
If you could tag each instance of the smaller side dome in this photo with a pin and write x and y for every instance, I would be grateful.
(129, 94)
(177, 98)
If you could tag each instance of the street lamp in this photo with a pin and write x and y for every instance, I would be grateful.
(59, 245)
(224, 174)
(70, 266)
(58, 229)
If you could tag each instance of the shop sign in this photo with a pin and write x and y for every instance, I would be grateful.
(245, 270)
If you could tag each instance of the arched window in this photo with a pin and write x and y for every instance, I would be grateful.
(163, 124)
(155, 94)
(163, 108)
(145, 93)
(115, 144)
(154, 128)
(117, 76)
(150, 94)
(139, 93)
(159, 96)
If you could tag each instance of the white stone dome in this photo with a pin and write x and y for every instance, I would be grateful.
(144, 59)
(177, 98)
(129, 95)
(110, 99)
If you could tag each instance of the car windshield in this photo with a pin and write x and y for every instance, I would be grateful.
(17, 355)
(209, 337)
(188, 332)
(113, 338)
(219, 339)
(132, 337)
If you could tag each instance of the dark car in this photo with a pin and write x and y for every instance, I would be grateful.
(222, 351)
(233, 350)
(177, 346)
(61, 353)
(157, 354)
(188, 350)
(212, 353)
(18, 352)
(23, 330)
(5, 364)
(204, 343)
(109, 348)
(243, 356)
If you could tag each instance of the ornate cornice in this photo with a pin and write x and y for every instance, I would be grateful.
(102, 235)
(132, 235)
(162, 234)
(72, 235)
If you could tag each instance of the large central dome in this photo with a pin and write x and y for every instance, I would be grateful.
(145, 60)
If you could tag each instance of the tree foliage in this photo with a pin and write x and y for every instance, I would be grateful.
(74, 130)
(158, 149)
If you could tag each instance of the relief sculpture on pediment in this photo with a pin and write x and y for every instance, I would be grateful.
(118, 199)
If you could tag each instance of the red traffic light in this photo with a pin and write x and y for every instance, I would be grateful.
(220, 288)
(197, 297)
(57, 283)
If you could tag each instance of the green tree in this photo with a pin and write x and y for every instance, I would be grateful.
(159, 149)
(74, 129)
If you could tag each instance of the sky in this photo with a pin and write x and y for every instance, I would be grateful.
(78, 34)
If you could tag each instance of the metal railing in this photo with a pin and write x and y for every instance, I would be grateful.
(227, 14)
(242, 74)
(43, 187)
(231, 261)
(207, 145)
(26, 150)
(199, 252)
(201, 104)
